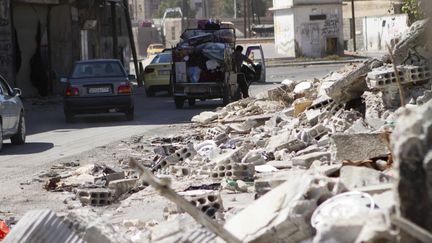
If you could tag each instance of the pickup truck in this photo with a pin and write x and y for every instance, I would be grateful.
(202, 66)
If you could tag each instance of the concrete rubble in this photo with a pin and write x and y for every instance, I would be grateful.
(264, 167)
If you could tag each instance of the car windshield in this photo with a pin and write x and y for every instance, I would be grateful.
(162, 58)
(98, 69)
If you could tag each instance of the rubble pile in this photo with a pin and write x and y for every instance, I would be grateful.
(333, 160)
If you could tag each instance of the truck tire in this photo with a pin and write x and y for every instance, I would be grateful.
(191, 101)
(179, 102)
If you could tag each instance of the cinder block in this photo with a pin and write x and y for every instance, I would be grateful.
(209, 202)
(120, 187)
(95, 196)
(180, 155)
(180, 170)
(317, 131)
(234, 171)
(41, 226)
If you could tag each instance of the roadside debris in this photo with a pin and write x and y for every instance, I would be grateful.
(332, 160)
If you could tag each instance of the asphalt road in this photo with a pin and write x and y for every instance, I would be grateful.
(50, 138)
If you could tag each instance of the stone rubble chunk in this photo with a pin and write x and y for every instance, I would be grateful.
(287, 213)
(352, 85)
(360, 146)
(40, 226)
(120, 187)
(354, 177)
(205, 117)
(412, 148)
(306, 160)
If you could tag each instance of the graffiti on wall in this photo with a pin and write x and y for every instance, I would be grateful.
(331, 26)
(310, 33)
(284, 40)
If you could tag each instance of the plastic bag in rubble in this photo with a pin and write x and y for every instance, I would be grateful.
(4, 230)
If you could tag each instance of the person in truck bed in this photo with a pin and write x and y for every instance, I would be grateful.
(239, 58)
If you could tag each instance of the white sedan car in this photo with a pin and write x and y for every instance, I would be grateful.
(12, 122)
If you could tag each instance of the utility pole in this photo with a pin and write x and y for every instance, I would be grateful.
(353, 26)
(114, 29)
(235, 9)
(245, 17)
(132, 43)
(248, 7)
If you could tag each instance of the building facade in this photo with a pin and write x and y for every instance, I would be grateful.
(370, 11)
(50, 35)
(308, 28)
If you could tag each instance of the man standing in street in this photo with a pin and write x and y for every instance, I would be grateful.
(239, 58)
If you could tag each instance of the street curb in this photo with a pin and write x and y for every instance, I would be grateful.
(313, 63)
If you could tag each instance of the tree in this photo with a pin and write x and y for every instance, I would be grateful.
(412, 8)
(183, 4)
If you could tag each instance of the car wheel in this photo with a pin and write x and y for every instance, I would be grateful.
(20, 136)
(130, 115)
(69, 117)
(179, 102)
(149, 92)
(191, 102)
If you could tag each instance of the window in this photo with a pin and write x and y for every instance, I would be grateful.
(162, 58)
(98, 69)
(317, 17)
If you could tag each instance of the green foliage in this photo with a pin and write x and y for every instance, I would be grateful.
(412, 8)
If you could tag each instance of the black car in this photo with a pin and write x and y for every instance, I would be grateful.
(98, 86)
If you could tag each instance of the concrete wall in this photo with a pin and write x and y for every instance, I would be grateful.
(313, 35)
(371, 7)
(379, 31)
(65, 45)
(280, 4)
(26, 18)
(284, 32)
(7, 65)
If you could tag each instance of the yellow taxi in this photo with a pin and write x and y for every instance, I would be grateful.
(154, 49)
(157, 74)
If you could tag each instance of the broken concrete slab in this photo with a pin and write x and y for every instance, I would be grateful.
(411, 143)
(354, 177)
(360, 146)
(352, 85)
(284, 141)
(40, 226)
(306, 160)
(288, 209)
(205, 117)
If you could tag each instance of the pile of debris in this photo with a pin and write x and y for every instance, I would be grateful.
(343, 159)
